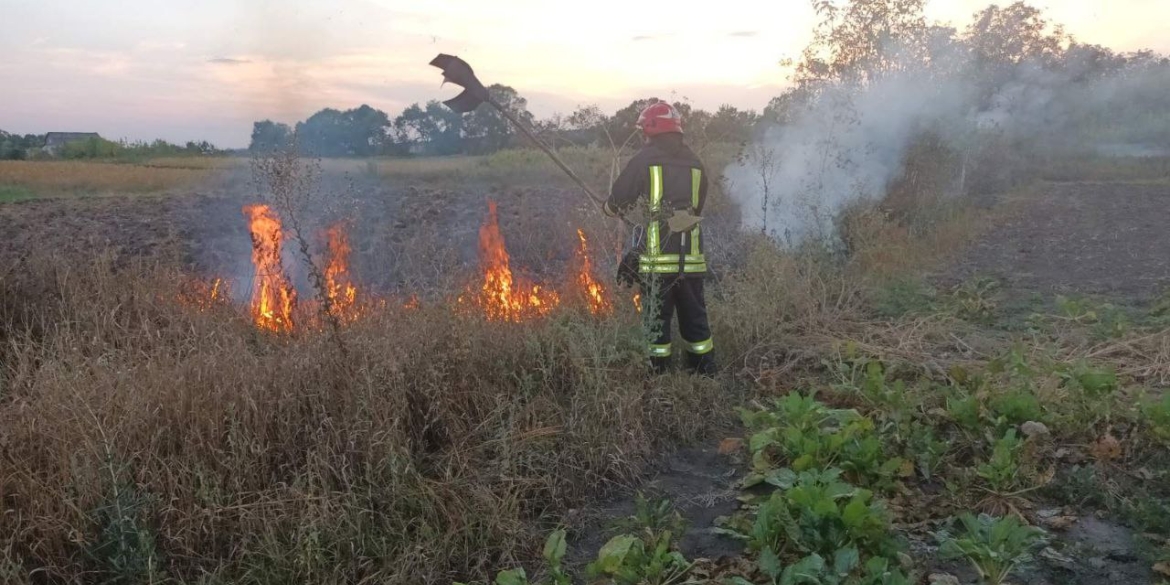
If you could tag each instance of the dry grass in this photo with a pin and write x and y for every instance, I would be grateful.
(143, 438)
(73, 177)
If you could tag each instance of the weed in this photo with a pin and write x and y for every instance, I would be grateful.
(994, 546)
(1093, 382)
(553, 553)
(903, 296)
(1015, 406)
(1001, 472)
(926, 449)
(807, 435)
(975, 300)
(1156, 415)
(966, 410)
(869, 378)
(653, 515)
(648, 559)
(845, 569)
(14, 193)
(125, 550)
(1106, 321)
(816, 512)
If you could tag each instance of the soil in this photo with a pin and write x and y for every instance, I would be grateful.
(699, 482)
(1090, 552)
(410, 236)
(1098, 239)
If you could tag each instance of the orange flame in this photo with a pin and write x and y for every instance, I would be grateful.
(599, 303)
(204, 295)
(338, 284)
(503, 297)
(638, 301)
(413, 303)
(273, 297)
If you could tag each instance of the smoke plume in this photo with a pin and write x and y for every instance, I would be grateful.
(843, 143)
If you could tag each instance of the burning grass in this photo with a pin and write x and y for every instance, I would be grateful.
(503, 296)
(146, 438)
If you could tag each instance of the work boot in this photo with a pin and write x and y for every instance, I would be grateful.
(659, 365)
(702, 365)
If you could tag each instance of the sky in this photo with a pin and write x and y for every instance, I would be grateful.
(206, 69)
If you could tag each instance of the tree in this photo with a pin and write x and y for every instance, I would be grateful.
(269, 136)
(436, 129)
(864, 41)
(782, 109)
(1010, 36)
(486, 129)
(729, 124)
(357, 132)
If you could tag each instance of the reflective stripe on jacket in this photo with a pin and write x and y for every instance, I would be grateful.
(672, 179)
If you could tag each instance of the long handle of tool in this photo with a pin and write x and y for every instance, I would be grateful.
(550, 152)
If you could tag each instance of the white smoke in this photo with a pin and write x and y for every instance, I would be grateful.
(843, 148)
(848, 144)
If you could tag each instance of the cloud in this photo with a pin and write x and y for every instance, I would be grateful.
(744, 34)
(641, 38)
(227, 61)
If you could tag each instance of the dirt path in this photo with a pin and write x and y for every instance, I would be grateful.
(1108, 239)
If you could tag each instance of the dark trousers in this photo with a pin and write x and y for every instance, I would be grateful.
(684, 295)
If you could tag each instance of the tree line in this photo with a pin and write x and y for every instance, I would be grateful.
(30, 146)
(434, 129)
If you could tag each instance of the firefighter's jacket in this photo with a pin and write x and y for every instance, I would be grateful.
(669, 178)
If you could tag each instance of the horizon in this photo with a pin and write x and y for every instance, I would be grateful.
(207, 71)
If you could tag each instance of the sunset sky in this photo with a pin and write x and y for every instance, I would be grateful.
(206, 69)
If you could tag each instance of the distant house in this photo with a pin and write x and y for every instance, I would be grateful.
(55, 141)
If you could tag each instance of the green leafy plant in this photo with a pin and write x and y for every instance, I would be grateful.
(652, 514)
(804, 434)
(975, 300)
(845, 569)
(1094, 382)
(904, 296)
(816, 512)
(994, 546)
(554, 554)
(648, 559)
(1156, 415)
(926, 449)
(966, 411)
(1107, 320)
(869, 378)
(1001, 471)
(645, 554)
(1014, 406)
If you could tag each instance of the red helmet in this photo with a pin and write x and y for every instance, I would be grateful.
(660, 118)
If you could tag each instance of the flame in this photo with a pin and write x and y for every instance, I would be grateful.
(413, 303)
(638, 301)
(594, 291)
(502, 296)
(338, 285)
(204, 295)
(273, 297)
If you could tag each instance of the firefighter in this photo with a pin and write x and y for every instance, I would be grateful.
(670, 261)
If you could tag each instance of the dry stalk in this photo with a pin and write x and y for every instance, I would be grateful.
(293, 187)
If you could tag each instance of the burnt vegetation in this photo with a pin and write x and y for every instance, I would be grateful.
(366, 376)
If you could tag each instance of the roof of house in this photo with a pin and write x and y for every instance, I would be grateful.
(53, 138)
